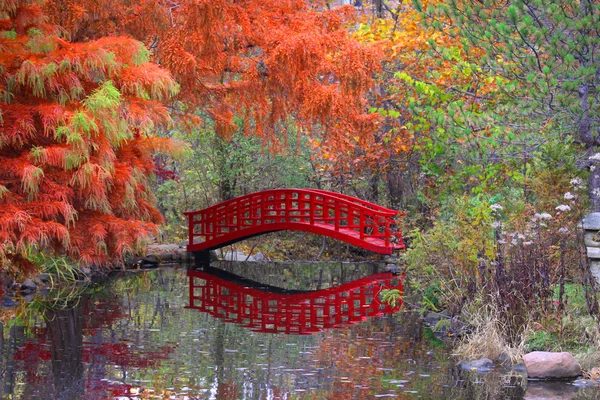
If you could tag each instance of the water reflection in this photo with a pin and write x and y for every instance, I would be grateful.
(65, 330)
(134, 338)
(271, 309)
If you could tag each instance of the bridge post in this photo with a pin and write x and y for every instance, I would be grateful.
(202, 258)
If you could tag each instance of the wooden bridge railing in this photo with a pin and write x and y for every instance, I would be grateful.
(343, 217)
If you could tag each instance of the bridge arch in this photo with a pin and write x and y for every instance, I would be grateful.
(335, 215)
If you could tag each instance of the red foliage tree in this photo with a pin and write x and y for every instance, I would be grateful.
(78, 171)
(272, 65)
(76, 143)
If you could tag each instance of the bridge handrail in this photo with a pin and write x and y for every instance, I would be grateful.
(331, 214)
(356, 200)
(382, 211)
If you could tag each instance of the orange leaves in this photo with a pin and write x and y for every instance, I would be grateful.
(144, 113)
(262, 63)
(76, 143)
(147, 81)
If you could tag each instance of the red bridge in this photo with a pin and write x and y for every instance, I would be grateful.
(269, 309)
(336, 215)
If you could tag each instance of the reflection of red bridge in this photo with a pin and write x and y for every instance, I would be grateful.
(274, 310)
(339, 216)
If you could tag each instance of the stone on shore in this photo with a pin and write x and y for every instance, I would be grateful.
(481, 365)
(550, 365)
(28, 286)
(239, 256)
(154, 249)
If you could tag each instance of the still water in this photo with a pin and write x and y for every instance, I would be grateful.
(243, 331)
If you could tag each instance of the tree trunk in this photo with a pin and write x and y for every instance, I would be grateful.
(378, 8)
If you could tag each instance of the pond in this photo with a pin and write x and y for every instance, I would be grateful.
(239, 331)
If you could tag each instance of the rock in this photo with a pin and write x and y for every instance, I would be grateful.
(593, 252)
(393, 268)
(591, 239)
(393, 258)
(8, 302)
(550, 365)
(6, 282)
(504, 360)
(259, 257)
(29, 297)
(520, 367)
(28, 285)
(162, 248)
(595, 270)
(481, 365)
(43, 278)
(591, 222)
(432, 319)
(235, 256)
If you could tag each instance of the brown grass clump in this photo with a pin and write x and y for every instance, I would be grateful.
(488, 338)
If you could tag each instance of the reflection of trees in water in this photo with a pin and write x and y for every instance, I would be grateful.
(300, 275)
(146, 310)
(8, 346)
(65, 330)
(85, 354)
(495, 385)
(362, 356)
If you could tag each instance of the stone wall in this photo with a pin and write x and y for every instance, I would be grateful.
(591, 229)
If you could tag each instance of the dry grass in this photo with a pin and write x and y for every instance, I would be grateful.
(590, 361)
(487, 340)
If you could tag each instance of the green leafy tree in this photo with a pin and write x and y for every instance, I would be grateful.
(544, 55)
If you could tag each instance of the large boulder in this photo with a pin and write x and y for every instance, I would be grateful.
(549, 365)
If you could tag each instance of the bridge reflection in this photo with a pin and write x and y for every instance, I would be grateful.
(270, 309)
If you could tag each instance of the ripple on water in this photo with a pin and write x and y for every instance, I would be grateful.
(136, 334)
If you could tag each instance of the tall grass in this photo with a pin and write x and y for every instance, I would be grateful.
(59, 268)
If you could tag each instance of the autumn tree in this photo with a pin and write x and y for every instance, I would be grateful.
(76, 140)
(427, 93)
(267, 64)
